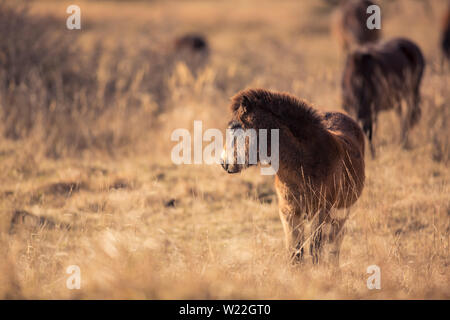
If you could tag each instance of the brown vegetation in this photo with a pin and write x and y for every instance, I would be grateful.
(95, 156)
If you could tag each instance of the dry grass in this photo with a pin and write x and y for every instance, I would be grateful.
(94, 158)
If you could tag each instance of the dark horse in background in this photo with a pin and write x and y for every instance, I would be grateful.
(380, 77)
(193, 49)
(445, 39)
(349, 24)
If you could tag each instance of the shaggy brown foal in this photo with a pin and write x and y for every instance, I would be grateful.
(381, 77)
(349, 24)
(445, 38)
(321, 167)
(193, 49)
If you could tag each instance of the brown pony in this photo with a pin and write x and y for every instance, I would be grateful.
(321, 167)
(193, 49)
(380, 77)
(445, 40)
(349, 24)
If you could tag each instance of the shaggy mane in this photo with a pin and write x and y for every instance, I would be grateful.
(282, 105)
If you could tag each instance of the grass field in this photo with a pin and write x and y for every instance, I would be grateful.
(93, 157)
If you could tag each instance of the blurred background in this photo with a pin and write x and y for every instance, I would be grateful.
(86, 118)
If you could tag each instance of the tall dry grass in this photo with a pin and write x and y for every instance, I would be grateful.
(86, 123)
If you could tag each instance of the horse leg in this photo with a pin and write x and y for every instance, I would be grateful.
(368, 130)
(403, 116)
(411, 118)
(406, 121)
(293, 226)
(332, 234)
(416, 111)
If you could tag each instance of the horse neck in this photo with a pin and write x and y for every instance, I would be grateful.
(305, 145)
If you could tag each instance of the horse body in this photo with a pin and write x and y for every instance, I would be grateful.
(349, 24)
(445, 40)
(380, 77)
(321, 167)
(193, 49)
